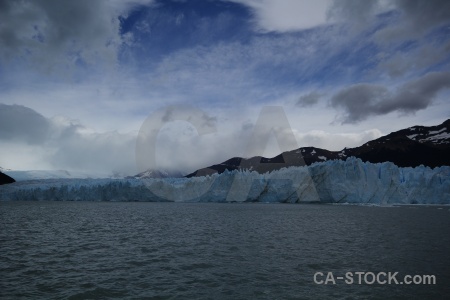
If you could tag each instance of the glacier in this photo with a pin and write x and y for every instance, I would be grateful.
(50, 174)
(332, 181)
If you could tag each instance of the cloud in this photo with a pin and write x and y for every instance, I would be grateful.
(375, 28)
(406, 19)
(255, 70)
(355, 11)
(29, 141)
(109, 152)
(426, 56)
(215, 61)
(336, 141)
(22, 124)
(60, 143)
(55, 34)
(416, 19)
(288, 15)
(186, 151)
(360, 101)
(309, 99)
(67, 144)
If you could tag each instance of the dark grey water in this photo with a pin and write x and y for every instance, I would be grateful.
(103, 250)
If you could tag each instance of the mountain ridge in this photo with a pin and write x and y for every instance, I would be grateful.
(409, 147)
(5, 179)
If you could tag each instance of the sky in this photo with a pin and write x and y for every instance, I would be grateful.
(78, 79)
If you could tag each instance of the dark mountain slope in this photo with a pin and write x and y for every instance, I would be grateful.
(410, 147)
(5, 179)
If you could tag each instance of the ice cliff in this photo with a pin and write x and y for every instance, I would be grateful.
(336, 181)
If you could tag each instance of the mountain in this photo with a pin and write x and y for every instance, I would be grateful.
(5, 179)
(410, 147)
(157, 174)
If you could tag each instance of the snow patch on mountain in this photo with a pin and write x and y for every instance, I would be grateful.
(437, 138)
(438, 135)
(437, 131)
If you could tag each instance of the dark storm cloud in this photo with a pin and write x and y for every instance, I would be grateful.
(415, 17)
(52, 30)
(309, 99)
(418, 17)
(360, 101)
(22, 123)
(426, 13)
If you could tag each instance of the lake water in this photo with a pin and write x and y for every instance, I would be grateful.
(104, 250)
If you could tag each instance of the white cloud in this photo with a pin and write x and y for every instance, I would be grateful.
(68, 144)
(74, 147)
(359, 13)
(61, 143)
(20, 156)
(288, 15)
(237, 73)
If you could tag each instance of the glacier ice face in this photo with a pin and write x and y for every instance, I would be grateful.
(336, 181)
(50, 174)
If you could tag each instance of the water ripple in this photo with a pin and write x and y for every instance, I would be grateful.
(72, 250)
